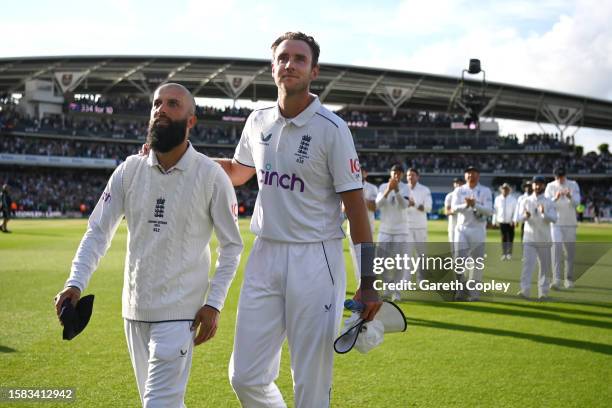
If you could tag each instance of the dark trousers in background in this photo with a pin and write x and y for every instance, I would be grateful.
(507, 234)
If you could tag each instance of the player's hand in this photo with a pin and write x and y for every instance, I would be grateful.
(471, 202)
(541, 208)
(527, 214)
(208, 319)
(71, 293)
(144, 150)
(371, 302)
(410, 202)
(421, 207)
(558, 195)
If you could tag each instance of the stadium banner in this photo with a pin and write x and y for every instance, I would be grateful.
(238, 83)
(69, 80)
(441, 272)
(57, 161)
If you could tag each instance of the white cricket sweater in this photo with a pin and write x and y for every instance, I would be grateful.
(170, 217)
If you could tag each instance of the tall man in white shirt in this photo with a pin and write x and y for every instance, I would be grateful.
(419, 204)
(565, 194)
(392, 203)
(538, 212)
(294, 281)
(370, 191)
(505, 207)
(172, 200)
(451, 216)
(473, 203)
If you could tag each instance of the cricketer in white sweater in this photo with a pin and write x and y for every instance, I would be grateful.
(170, 216)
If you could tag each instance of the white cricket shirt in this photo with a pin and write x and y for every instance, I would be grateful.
(170, 216)
(421, 195)
(301, 164)
(468, 217)
(505, 208)
(537, 226)
(566, 207)
(393, 217)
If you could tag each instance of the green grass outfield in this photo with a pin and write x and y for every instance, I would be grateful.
(503, 354)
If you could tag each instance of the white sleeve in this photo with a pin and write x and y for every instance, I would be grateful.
(381, 201)
(575, 194)
(456, 205)
(548, 192)
(224, 214)
(244, 152)
(519, 216)
(371, 193)
(550, 213)
(428, 200)
(486, 208)
(342, 160)
(101, 228)
(447, 200)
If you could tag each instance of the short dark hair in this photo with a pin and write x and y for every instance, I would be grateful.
(291, 35)
(414, 170)
(397, 167)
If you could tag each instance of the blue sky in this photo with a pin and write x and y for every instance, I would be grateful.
(553, 44)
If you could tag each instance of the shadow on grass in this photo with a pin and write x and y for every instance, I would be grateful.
(576, 344)
(5, 349)
(482, 308)
(553, 309)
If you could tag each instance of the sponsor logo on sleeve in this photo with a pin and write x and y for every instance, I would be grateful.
(355, 168)
(265, 139)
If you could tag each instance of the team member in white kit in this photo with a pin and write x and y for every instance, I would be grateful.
(538, 213)
(171, 199)
(419, 204)
(505, 208)
(451, 216)
(393, 229)
(565, 194)
(473, 203)
(528, 190)
(370, 191)
(294, 281)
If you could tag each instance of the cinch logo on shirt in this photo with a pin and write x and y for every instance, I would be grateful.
(284, 181)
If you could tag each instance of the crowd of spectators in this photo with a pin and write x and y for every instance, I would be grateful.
(376, 162)
(77, 190)
(488, 163)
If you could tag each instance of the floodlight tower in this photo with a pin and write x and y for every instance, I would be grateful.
(472, 100)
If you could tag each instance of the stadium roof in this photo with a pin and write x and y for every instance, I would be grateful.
(351, 86)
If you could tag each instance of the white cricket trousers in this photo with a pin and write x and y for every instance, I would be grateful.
(417, 246)
(471, 243)
(161, 356)
(564, 240)
(294, 291)
(531, 253)
(394, 244)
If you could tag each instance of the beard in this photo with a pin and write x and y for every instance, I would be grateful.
(163, 138)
